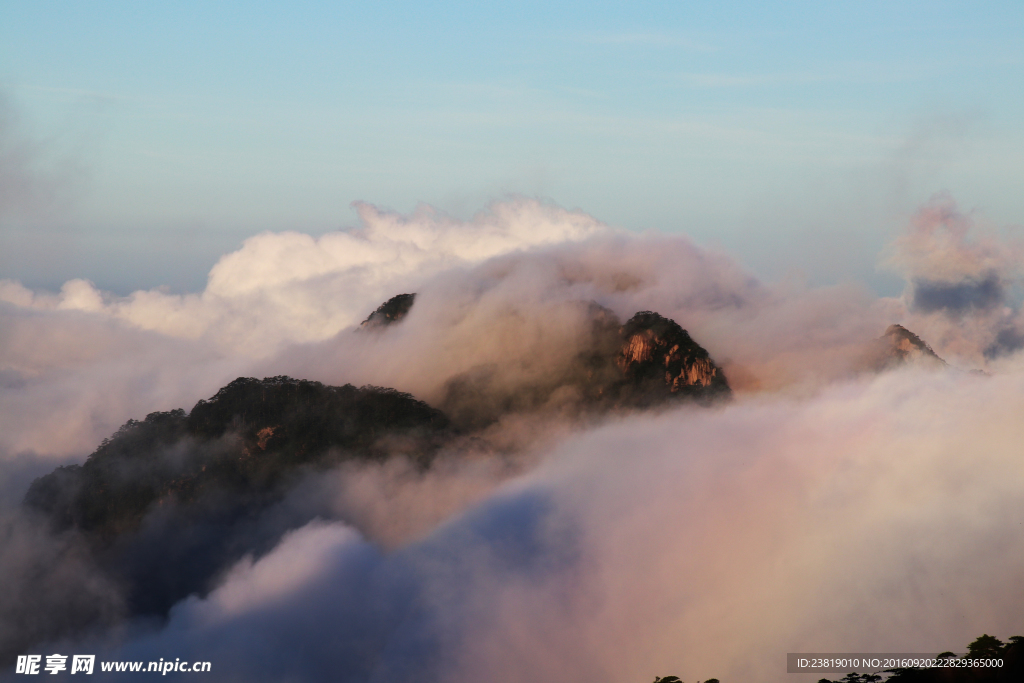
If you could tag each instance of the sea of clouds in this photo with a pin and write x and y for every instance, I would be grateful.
(826, 508)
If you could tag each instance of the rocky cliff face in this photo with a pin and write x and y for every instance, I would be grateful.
(648, 361)
(656, 351)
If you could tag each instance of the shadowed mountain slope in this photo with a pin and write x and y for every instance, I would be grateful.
(170, 502)
(248, 440)
(391, 311)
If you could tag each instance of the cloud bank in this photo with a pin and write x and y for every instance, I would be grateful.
(156, 351)
(881, 515)
(825, 508)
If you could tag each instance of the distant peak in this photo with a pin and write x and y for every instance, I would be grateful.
(905, 343)
(899, 346)
(391, 311)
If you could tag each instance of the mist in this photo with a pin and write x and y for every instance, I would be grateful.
(705, 544)
(825, 507)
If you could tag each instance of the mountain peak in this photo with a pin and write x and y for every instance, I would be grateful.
(899, 346)
(904, 345)
(655, 347)
(391, 311)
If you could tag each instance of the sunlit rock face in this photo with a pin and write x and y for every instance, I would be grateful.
(653, 356)
(391, 311)
(660, 354)
(899, 346)
(647, 362)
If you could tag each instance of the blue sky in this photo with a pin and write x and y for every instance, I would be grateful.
(797, 136)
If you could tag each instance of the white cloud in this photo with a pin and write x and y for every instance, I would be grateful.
(157, 351)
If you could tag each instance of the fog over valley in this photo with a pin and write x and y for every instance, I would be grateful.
(524, 446)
